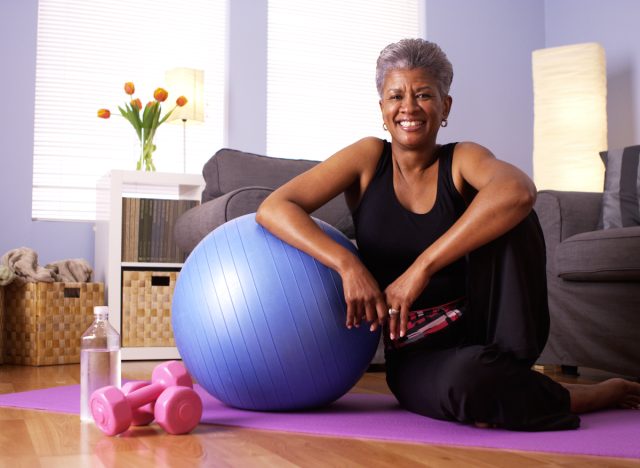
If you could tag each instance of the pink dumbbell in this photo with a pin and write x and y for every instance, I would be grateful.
(144, 414)
(177, 412)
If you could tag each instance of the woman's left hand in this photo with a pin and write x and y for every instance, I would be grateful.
(400, 296)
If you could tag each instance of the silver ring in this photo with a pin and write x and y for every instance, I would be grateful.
(393, 311)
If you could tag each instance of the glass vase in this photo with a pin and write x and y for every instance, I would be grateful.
(147, 147)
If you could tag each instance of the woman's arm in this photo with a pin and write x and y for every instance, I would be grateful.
(504, 196)
(285, 213)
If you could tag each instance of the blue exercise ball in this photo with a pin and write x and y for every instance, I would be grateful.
(261, 325)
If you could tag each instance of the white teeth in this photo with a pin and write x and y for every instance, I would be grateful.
(412, 123)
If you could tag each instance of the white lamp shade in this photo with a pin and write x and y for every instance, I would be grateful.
(189, 83)
(570, 117)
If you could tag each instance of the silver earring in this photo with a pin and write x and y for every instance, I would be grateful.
(444, 123)
(384, 127)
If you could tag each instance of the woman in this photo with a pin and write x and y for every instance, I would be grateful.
(448, 242)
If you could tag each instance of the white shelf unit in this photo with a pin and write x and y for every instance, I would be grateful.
(112, 187)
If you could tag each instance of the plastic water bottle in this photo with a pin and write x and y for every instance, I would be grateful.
(99, 359)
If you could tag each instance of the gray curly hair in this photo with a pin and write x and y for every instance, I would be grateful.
(415, 53)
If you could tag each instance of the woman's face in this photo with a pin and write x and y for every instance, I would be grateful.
(412, 107)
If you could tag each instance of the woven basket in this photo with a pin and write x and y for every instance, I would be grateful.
(146, 308)
(44, 321)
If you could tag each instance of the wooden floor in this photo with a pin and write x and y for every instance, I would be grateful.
(38, 438)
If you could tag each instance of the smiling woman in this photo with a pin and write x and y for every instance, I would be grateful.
(451, 259)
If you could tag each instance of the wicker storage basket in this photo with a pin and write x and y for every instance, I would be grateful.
(44, 321)
(146, 308)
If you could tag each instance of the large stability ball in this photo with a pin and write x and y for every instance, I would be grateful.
(261, 325)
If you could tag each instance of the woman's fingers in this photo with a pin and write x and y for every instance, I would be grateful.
(363, 298)
(394, 322)
(350, 313)
(404, 320)
(358, 313)
(372, 316)
(398, 321)
(381, 312)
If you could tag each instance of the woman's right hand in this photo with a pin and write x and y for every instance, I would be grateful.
(286, 214)
(363, 297)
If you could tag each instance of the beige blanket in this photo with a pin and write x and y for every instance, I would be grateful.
(21, 265)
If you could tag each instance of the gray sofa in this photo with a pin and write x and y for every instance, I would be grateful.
(236, 184)
(593, 275)
(593, 278)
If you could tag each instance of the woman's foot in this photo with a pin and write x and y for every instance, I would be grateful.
(611, 393)
(484, 425)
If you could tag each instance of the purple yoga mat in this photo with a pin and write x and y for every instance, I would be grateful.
(613, 433)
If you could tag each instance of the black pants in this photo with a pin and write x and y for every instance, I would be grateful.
(479, 369)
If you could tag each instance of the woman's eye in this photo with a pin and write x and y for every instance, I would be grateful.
(395, 97)
(424, 96)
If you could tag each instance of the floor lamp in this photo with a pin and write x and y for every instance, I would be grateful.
(187, 82)
(570, 117)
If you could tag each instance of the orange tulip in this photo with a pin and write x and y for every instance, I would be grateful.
(104, 113)
(129, 88)
(136, 104)
(181, 101)
(149, 104)
(160, 94)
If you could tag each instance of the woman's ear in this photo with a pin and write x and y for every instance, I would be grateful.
(448, 101)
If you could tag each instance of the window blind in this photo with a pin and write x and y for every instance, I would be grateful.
(321, 56)
(86, 51)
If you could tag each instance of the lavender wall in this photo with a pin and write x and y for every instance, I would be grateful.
(489, 43)
(52, 240)
(614, 24)
(247, 70)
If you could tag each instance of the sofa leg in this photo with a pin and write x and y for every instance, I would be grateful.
(570, 370)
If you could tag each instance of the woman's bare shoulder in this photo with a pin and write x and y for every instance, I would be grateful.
(353, 167)
(468, 156)
(359, 159)
(478, 166)
(368, 148)
(472, 149)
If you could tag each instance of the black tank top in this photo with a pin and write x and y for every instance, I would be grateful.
(390, 237)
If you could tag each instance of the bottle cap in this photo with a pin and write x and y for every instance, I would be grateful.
(100, 310)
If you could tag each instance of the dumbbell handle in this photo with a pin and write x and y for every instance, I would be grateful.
(147, 394)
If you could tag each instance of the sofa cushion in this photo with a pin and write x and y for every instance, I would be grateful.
(199, 221)
(229, 169)
(604, 255)
(196, 223)
(621, 198)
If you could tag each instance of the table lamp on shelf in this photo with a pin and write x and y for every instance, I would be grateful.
(187, 82)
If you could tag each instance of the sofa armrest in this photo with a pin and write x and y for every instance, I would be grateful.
(195, 224)
(564, 214)
(192, 226)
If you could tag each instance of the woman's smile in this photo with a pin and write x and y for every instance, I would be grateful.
(411, 125)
